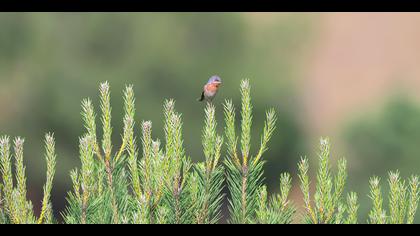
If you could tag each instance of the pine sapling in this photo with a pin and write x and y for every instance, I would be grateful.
(328, 206)
(21, 180)
(245, 174)
(50, 156)
(152, 168)
(14, 206)
(414, 199)
(163, 186)
(177, 193)
(210, 175)
(100, 192)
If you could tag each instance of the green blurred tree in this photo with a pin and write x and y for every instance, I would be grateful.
(384, 141)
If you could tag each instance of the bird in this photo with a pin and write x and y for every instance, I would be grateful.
(210, 89)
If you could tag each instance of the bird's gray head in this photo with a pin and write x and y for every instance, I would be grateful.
(215, 79)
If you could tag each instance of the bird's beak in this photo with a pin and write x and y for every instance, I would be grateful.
(218, 82)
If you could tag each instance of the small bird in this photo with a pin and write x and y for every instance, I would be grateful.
(210, 89)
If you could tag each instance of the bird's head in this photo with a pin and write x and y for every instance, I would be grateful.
(215, 80)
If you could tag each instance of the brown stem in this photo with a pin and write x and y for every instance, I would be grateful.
(152, 216)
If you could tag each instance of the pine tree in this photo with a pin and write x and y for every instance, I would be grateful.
(144, 182)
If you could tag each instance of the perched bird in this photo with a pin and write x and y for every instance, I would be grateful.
(210, 89)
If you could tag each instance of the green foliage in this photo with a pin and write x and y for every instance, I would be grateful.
(50, 156)
(377, 215)
(163, 185)
(328, 206)
(388, 136)
(210, 175)
(177, 195)
(14, 206)
(277, 209)
(100, 193)
(2, 213)
(403, 200)
(244, 173)
(414, 199)
(86, 49)
(352, 208)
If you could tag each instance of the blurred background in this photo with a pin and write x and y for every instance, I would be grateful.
(351, 76)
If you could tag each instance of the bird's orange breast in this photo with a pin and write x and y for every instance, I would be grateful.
(212, 87)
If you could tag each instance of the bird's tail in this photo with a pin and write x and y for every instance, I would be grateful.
(200, 99)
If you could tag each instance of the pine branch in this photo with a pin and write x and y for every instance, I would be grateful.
(230, 132)
(177, 196)
(244, 179)
(339, 183)
(106, 119)
(269, 128)
(377, 215)
(285, 186)
(132, 156)
(50, 156)
(262, 212)
(397, 198)
(341, 209)
(150, 191)
(128, 120)
(325, 185)
(2, 213)
(414, 199)
(277, 209)
(106, 143)
(21, 209)
(305, 184)
(129, 141)
(7, 175)
(328, 205)
(88, 166)
(246, 120)
(89, 117)
(210, 175)
(352, 208)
